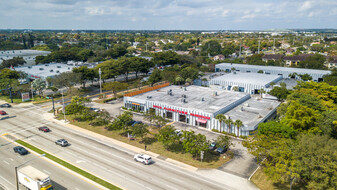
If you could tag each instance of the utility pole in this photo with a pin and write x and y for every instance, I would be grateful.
(64, 109)
(31, 87)
(274, 47)
(52, 98)
(258, 51)
(240, 49)
(100, 80)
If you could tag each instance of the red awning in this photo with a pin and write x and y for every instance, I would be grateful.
(201, 121)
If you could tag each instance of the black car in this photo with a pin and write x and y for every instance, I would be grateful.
(5, 105)
(20, 150)
(222, 150)
(212, 146)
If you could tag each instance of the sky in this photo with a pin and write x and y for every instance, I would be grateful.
(168, 14)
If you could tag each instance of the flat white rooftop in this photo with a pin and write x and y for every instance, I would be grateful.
(247, 78)
(45, 70)
(194, 95)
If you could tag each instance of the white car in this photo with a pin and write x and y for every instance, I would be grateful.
(145, 159)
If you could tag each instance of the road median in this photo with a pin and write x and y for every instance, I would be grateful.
(70, 166)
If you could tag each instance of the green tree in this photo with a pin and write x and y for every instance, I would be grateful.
(39, 85)
(166, 58)
(221, 118)
(189, 72)
(193, 143)
(229, 123)
(14, 62)
(211, 47)
(331, 78)
(306, 77)
(223, 140)
(109, 69)
(168, 137)
(238, 123)
(313, 62)
(280, 93)
(155, 76)
(77, 105)
(9, 74)
(140, 130)
(86, 74)
(139, 65)
(115, 87)
(66, 79)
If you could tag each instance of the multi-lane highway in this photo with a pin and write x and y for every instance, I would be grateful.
(61, 178)
(103, 158)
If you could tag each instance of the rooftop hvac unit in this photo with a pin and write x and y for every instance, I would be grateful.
(41, 69)
(242, 108)
(57, 71)
(202, 99)
(185, 89)
(149, 97)
(215, 93)
(29, 67)
(246, 104)
(58, 66)
(184, 96)
(51, 70)
(184, 100)
(46, 65)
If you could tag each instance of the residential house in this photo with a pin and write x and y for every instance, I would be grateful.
(294, 60)
(273, 57)
(219, 57)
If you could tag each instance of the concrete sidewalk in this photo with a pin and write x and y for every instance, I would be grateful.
(234, 181)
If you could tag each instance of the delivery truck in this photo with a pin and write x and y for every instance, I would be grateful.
(34, 179)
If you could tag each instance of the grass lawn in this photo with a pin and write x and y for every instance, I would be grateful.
(70, 166)
(210, 160)
(261, 180)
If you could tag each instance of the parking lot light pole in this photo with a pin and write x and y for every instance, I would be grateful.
(64, 109)
(100, 80)
(16, 169)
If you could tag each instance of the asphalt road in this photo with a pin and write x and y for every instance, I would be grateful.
(61, 178)
(104, 159)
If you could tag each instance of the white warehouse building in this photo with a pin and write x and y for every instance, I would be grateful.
(245, 82)
(199, 106)
(317, 75)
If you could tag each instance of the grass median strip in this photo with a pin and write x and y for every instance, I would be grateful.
(70, 166)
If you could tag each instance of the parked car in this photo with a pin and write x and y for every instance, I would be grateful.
(145, 159)
(131, 137)
(95, 109)
(20, 150)
(222, 150)
(44, 129)
(136, 122)
(62, 142)
(5, 105)
(2, 112)
(212, 146)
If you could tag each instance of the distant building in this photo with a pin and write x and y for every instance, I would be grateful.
(317, 75)
(272, 57)
(44, 71)
(294, 60)
(245, 82)
(27, 55)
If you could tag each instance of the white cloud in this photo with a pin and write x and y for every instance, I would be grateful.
(306, 5)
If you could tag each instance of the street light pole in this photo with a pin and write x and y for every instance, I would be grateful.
(16, 169)
(100, 80)
(31, 87)
(64, 110)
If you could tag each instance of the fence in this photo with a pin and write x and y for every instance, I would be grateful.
(147, 89)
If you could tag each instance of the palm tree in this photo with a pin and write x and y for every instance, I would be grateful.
(238, 123)
(228, 122)
(221, 118)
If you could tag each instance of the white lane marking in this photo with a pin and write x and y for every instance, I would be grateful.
(171, 187)
(175, 179)
(77, 188)
(26, 124)
(79, 161)
(12, 159)
(6, 162)
(7, 181)
(46, 171)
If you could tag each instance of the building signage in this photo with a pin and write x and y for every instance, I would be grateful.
(182, 112)
(25, 97)
(34, 76)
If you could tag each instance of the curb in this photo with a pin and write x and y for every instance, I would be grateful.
(122, 144)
